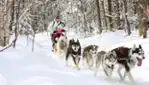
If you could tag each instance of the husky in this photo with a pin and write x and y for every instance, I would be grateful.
(128, 58)
(61, 45)
(89, 55)
(74, 51)
(108, 62)
(98, 60)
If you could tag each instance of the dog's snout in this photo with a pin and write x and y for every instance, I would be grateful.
(75, 48)
(112, 66)
(62, 40)
(143, 57)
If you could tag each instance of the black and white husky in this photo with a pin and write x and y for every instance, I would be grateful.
(108, 62)
(126, 58)
(74, 51)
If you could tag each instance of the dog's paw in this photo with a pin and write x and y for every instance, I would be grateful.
(122, 79)
(52, 50)
(78, 68)
(133, 83)
(95, 74)
(66, 64)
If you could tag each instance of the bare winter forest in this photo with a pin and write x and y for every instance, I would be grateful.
(28, 17)
(74, 42)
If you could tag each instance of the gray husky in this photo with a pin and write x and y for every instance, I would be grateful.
(89, 55)
(98, 60)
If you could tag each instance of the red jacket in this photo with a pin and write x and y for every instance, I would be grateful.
(58, 34)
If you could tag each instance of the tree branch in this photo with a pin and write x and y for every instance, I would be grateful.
(8, 46)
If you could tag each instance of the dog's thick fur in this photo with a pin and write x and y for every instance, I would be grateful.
(74, 51)
(61, 45)
(108, 62)
(98, 60)
(89, 55)
(128, 58)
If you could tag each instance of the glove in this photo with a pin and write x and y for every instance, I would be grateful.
(56, 39)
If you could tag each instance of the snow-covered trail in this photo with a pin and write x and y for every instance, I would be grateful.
(20, 66)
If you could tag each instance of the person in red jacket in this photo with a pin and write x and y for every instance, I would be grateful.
(56, 35)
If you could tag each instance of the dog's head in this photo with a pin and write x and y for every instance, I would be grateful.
(62, 39)
(137, 54)
(93, 49)
(110, 59)
(75, 45)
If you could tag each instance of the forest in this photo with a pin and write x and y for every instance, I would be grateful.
(28, 17)
(74, 42)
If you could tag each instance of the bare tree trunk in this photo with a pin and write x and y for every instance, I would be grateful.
(143, 18)
(33, 24)
(12, 15)
(27, 36)
(127, 24)
(135, 6)
(110, 13)
(117, 10)
(105, 20)
(33, 42)
(5, 22)
(17, 2)
(99, 18)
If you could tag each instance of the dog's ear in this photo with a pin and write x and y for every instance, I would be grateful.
(134, 47)
(140, 46)
(70, 41)
(109, 53)
(114, 53)
(78, 41)
(96, 46)
(130, 52)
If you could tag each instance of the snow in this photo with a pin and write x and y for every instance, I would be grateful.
(21, 66)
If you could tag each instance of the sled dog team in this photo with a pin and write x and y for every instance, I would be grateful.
(124, 57)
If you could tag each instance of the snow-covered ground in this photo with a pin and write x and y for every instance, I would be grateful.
(21, 66)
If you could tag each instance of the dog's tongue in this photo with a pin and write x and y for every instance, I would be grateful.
(140, 62)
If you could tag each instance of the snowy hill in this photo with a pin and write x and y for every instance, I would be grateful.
(20, 66)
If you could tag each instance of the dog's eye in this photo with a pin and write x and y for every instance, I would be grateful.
(141, 53)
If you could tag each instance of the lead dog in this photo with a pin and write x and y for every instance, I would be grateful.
(128, 58)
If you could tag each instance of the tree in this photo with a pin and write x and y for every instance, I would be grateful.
(143, 17)
(127, 24)
(98, 15)
(110, 13)
(104, 14)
